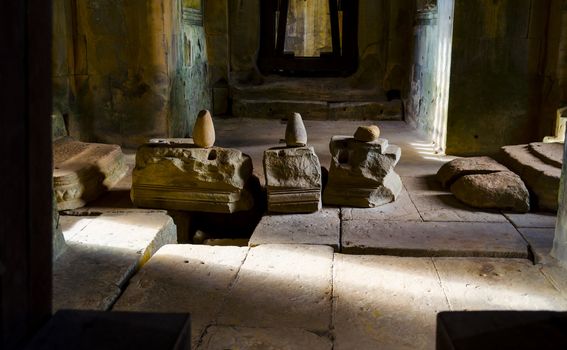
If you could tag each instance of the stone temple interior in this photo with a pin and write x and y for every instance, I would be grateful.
(301, 174)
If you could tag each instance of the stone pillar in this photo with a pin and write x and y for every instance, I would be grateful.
(559, 250)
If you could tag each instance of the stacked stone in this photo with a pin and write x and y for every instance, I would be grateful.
(293, 173)
(362, 170)
(192, 175)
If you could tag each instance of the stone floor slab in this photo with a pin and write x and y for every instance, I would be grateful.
(497, 284)
(262, 338)
(402, 209)
(557, 276)
(102, 254)
(423, 185)
(385, 302)
(185, 278)
(282, 285)
(321, 228)
(540, 241)
(446, 208)
(536, 220)
(432, 239)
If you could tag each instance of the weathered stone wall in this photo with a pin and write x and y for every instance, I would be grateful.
(500, 68)
(562, 59)
(122, 70)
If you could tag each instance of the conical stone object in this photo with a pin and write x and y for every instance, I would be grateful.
(295, 133)
(204, 130)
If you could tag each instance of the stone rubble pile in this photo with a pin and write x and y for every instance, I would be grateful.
(362, 170)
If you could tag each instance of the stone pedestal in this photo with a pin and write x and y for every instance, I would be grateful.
(82, 171)
(362, 173)
(293, 180)
(175, 174)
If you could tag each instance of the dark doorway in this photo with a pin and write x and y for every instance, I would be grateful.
(307, 38)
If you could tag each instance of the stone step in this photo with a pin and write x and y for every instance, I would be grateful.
(541, 179)
(102, 253)
(549, 153)
(317, 109)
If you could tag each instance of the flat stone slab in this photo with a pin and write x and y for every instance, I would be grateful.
(282, 285)
(445, 207)
(497, 284)
(185, 278)
(557, 276)
(534, 220)
(457, 168)
(102, 254)
(550, 153)
(402, 209)
(540, 241)
(262, 338)
(423, 185)
(384, 302)
(321, 228)
(83, 171)
(432, 239)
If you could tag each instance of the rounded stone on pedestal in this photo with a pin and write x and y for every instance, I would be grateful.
(295, 133)
(204, 130)
(367, 133)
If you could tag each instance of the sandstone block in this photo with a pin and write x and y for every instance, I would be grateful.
(295, 133)
(83, 171)
(177, 175)
(501, 190)
(367, 133)
(293, 180)
(453, 170)
(362, 173)
(204, 130)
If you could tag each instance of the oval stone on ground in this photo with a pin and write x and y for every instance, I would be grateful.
(453, 170)
(501, 190)
(367, 133)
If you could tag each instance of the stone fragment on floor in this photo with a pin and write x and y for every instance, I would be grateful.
(282, 286)
(432, 239)
(402, 209)
(540, 241)
(175, 174)
(497, 284)
(383, 302)
(539, 220)
(447, 208)
(83, 171)
(362, 173)
(185, 278)
(293, 180)
(218, 337)
(459, 167)
(103, 253)
(500, 190)
(541, 178)
(321, 228)
(550, 153)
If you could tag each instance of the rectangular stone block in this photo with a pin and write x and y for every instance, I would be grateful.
(293, 179)
(384, 302)
(175, 174)
(280, 285)
(446, 208)
(185, 278)
(497, 284)
(103, 253)
(432, 239)
(321, 228)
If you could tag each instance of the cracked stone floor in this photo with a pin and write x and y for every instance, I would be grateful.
(351, 278)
